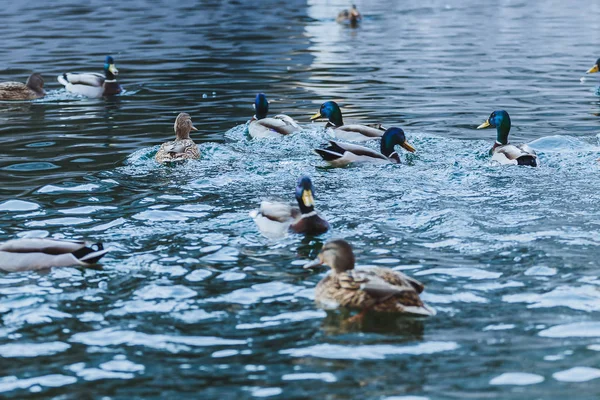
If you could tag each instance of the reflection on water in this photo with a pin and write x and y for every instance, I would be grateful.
(193, 299)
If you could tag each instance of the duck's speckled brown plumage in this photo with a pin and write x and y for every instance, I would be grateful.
(183, 147)
(33, 89)
(378, 289)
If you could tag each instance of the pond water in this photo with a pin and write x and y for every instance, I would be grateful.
(193, 302)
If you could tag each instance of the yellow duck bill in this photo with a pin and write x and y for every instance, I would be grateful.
(307, 198)
(593, 70)
(408, 147)
(113, 70)
(485, 124)
(316, 116)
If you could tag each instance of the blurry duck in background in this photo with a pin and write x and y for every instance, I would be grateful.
(261, 126)
(503, 152)
(353, 132)
(351, 16)
(339, 154)
(32, 89)
(595, 68)
(91, 84)
(378, 288)
(35, 254)
(276, 219)
(183, 147)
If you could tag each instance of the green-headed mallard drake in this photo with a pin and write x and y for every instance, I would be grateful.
(595, 68)
(276, 219)
(91, 84)
(377, 289)
(351, 16)
(183, 147)
(32, 89)
(34, 254)
(339, 154)
(353, 132)
(261, 126)
(503, 152)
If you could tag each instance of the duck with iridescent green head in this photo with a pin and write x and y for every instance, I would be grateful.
(276, 219)
(503, 152)
(339, 154)
(261, 126)
(352, 132)
(91, 84)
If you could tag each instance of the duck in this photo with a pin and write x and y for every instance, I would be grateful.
(339, 154)
(91, 84)
(595, 68)
(377, 289)
(183, 147)
(351, 16)
(29, 254)
(261, 126)
(330, 110)
(503, 152)
(31, 90)
(275, 219)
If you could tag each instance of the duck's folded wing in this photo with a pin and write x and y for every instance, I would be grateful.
(513, 152)
(47, 246)
(358, 150)
(372, 131)
(280, 212)
(526, 149)
(287, 119)
(88, 79)
(277, 125)
(397, 278)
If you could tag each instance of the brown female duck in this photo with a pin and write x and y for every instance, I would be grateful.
(378, 289)
(351, 16)
(183, 147)
(33, 89)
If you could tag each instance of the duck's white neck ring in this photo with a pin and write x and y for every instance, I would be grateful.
(308, 215)
(110, 81)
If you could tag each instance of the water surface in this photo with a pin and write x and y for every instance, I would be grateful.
(194, 302)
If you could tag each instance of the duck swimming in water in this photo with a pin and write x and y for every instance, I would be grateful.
(378, 289)
(504, 152)
(351, 16)
(91, 84)
(183, 147)
(32, 89)
(261, 126)
(276, 219)
(352, 132)
(35, 254)
(340, 154)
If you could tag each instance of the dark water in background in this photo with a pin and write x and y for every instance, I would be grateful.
(193, 302)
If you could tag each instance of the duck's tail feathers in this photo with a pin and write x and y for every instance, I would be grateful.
(90, 255)
(528, 160)
(327, 155)
(63, 80)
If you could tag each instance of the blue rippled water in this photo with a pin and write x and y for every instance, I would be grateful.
(194, 302)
